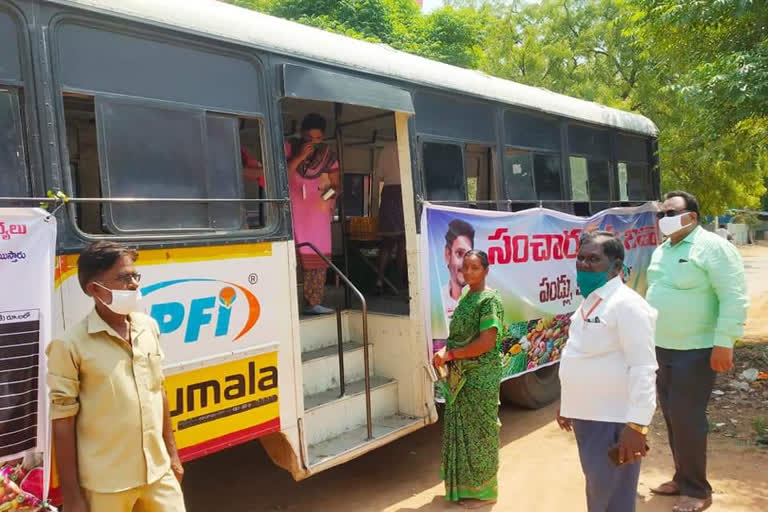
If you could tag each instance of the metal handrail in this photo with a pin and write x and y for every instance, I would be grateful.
(364, 309)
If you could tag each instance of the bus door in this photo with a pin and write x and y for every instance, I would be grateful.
(362, 366)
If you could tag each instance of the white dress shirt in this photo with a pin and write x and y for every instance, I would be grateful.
(608, 366)
(449, 303)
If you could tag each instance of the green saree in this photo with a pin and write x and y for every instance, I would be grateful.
(470, 453)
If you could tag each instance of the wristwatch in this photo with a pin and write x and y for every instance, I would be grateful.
(642, 429)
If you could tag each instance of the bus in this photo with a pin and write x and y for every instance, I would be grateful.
(138, 112)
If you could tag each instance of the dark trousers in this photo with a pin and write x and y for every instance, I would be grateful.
(609, 488)
(684, 382)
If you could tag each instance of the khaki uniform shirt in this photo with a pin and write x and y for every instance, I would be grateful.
(115, 390)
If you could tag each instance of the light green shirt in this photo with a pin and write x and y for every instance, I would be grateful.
(698, 288)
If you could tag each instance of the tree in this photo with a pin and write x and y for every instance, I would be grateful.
(698, 68)
(602, 50)
(718, 54)
(451, 35)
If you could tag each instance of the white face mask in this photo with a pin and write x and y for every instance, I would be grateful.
(671, 225)
(123, 301)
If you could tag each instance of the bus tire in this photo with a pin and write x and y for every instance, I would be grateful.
(533, 390)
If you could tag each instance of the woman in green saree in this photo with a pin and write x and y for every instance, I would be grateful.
(470, 453)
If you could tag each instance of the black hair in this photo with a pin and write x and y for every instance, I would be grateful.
(479, 254)
(99, 257)
(313, 122)
(691, 203)
(611, 245)
(457, 228)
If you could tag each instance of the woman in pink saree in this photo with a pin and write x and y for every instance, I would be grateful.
(313, 170)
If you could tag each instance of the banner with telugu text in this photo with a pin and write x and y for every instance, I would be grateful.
(27, 252)
(532, 257)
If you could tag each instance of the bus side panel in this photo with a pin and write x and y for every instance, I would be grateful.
(226, 320)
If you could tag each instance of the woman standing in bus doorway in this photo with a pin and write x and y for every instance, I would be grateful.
(313, 176)
(470, 453)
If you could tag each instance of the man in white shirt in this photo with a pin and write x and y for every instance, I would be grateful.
(608, 376)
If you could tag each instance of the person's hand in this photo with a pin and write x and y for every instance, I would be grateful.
(631, 446)
(721, 359)
(306, 150)
(440, 358)
(76, 502)
(177, 468)
(563, 422)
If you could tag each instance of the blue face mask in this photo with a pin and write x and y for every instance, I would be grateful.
(591, 281)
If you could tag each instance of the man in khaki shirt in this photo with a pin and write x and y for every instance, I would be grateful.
(115, 450)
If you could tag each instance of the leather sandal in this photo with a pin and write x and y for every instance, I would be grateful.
(667, 489)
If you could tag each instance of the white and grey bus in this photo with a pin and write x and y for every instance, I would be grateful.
(139, 112)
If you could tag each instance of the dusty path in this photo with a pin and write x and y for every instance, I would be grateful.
(539, 472)
(539, 465)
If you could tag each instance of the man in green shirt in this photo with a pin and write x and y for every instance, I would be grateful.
(696, 282)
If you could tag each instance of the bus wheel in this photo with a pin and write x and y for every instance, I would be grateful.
(533, 390)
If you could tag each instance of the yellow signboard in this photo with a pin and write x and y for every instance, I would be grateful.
(223, 405)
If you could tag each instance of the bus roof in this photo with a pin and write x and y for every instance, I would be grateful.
(222, 21)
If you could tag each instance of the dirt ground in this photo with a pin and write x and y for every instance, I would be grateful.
(539, 465)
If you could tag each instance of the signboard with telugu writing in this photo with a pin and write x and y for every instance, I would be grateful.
(532, 256)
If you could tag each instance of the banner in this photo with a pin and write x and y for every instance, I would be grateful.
(532, 257)
(27, 251)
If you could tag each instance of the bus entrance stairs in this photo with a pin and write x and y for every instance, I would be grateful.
(335, 418)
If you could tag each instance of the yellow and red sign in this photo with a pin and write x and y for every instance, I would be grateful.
(224, 405)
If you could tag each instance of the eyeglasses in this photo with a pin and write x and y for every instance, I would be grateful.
(129, 277)
(670, 213)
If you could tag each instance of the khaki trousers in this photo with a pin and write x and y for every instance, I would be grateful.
(161, 496)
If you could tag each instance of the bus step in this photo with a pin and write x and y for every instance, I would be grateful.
(316, 332)
(320, 367)
(327, 416)
(349, 444)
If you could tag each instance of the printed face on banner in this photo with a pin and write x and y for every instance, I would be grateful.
(533, 256)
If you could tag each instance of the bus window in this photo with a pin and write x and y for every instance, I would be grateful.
(599, 180)
(638, 181)
(540, 136)
(591, 181)
(546, 170)
(579, 179)
(633, 169)
(444, 172)
(14, 178)
(518, 175)
(478, 169)
(623, 185)
(133, 149)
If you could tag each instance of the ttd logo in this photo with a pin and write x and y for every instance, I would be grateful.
(214, 310)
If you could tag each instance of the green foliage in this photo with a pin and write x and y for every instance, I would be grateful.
(698, 68)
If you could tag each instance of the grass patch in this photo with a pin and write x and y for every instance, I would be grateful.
(760, 426)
